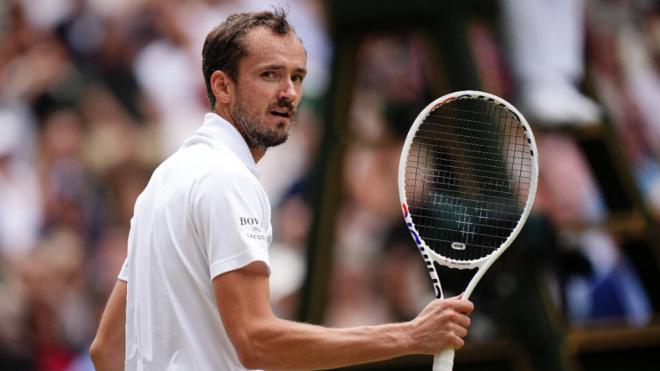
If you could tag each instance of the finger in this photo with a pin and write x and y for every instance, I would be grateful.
(463, 320)
(457, 342)
(461, 306)
(460, 331)
(458, 297)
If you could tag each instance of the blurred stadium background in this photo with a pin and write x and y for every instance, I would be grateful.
(94, 94)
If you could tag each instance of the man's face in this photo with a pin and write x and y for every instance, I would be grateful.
(269, 87)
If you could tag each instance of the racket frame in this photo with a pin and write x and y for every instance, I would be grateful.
(428, 254)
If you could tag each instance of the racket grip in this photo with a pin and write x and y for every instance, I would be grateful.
(444, 361)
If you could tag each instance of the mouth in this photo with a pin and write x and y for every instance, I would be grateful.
(283, 109)
(282, 112)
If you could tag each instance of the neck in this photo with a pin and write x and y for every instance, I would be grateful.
(257, 152)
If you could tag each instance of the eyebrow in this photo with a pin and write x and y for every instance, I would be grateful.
(300, 70)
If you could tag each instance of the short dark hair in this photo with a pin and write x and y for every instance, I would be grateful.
(224, 47)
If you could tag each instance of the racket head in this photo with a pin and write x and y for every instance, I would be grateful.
(468, 203)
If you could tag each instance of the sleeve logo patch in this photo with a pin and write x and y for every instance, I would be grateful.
(248, 221)
(254, 227)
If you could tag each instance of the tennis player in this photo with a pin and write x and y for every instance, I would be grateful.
(193, 293)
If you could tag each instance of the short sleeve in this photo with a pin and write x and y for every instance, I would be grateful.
(123, 273)
(229, 214)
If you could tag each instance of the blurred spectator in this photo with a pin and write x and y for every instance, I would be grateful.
(567, 192)
(20, 199)
(611, 290)
(46, 14)
(60, 317)
(70, 198)
(626, 71)
(606, 287)
(176, 88)
(547, 57)
(46, 314)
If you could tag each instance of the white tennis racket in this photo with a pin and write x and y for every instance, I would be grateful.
(467, 181)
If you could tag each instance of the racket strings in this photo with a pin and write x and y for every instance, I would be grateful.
(478, 155)
(500, 189)
(438, 176)
(492, 214)
(468, 177)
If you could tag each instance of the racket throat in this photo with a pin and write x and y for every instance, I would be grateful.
(439, 294)
(437, 287)
(435, 279)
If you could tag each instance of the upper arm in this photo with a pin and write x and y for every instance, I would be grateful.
(113, 320)
(109, 338)
(231, 220)
(242, 297)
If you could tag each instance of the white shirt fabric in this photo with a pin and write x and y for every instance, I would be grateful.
(203, 213)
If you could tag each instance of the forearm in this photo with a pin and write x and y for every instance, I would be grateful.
(262, 341)
(280, 344)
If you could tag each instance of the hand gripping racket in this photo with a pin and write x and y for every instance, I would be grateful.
(467, 181)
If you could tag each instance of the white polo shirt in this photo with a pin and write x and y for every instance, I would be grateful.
(203, 213)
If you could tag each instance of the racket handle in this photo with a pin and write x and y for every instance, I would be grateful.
(444, 361)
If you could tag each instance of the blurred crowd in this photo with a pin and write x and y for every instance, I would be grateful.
(94, 94)
(575, 69)
(614, 42)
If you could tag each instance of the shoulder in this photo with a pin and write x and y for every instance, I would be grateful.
(221, 193)
(227, 180)
(207, 166)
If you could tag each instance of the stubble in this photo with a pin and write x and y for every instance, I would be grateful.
(255, 132)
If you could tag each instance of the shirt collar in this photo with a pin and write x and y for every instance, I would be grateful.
(220, 132)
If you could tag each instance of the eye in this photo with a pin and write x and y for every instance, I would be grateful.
(268, 75)
(297, 78)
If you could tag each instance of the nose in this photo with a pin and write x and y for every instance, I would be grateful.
(288, 91)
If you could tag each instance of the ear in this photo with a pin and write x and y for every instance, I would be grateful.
(222, 86)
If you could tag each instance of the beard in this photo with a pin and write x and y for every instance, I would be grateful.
(255, 132)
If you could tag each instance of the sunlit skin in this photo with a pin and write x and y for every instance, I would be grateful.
(262, 103)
